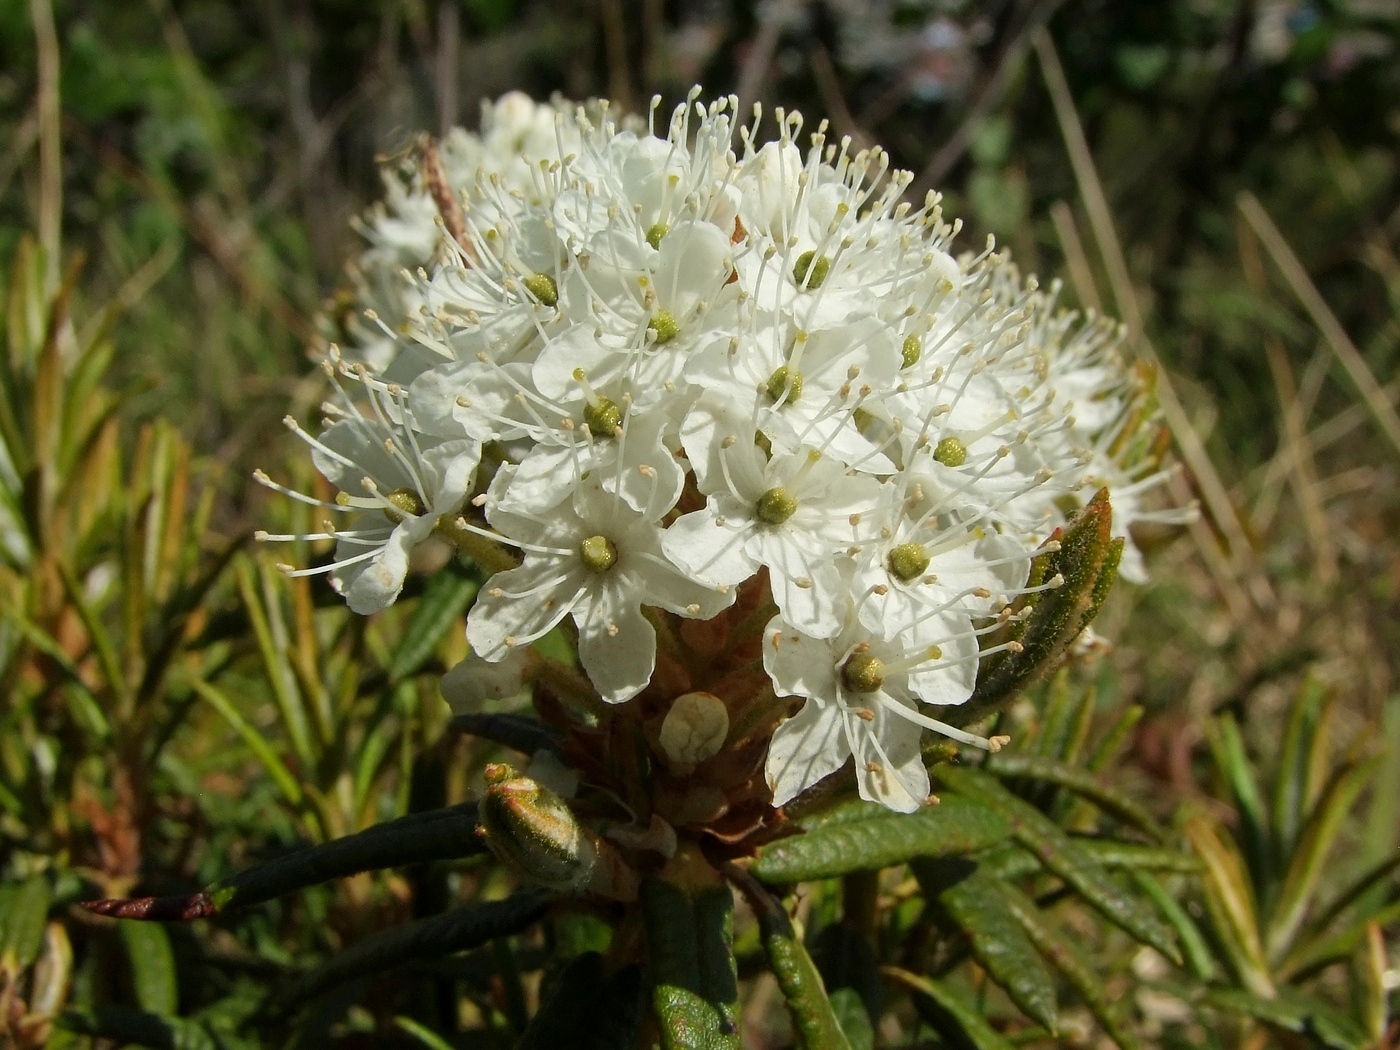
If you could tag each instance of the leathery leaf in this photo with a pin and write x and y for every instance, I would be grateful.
(1061, 856)
(955, 826)
(948, 1014)
(973, 900)
(695, 989)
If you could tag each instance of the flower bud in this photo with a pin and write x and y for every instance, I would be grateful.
(533, 831)
(694, 728)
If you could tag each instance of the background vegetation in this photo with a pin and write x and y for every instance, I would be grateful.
(177, 181)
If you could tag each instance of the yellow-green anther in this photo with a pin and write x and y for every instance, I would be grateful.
(950, 452)
(543, 288)
(663, 326)
(912, 350)
(784, 381)
(775, 506)
(602, 417)
(907, 561)
(599, 554)
(811, 270)
(407, 503)
(657, 231)
(863, 673)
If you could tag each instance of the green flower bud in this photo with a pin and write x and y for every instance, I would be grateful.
(950, 452)
(775, 506)
(907, 561)
(663, 326)
(656, 232)
(784, 380)
(533, 831)
(863, 673)
(811, 270)
(599, 553)
(543, 288)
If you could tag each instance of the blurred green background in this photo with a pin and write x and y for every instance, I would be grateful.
(1221, 175)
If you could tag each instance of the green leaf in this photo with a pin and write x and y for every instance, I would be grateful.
(1064, 857)
(440, 834)
(458, 930)
(954, 826)
(1081, 782)
(1227, 748)
(152, 966)
(1050, 939)
(947, 1014)
(24, 911)
(853, 1018)
(972, 900)
(589, 1008)
(283, 777)
(1291, 786)
(1087, 561)
(1294, 1011)
(1230, 903)
(423, 1034)
(124, 1025)
(443, 601)
(1305, 867)
(1193, 942)
(695, 989)
(813, 1019)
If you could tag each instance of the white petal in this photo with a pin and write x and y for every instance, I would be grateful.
(798, 664)
(889, 764)
(380, 579)
(497, 624)
(709, 546)
(807, 747)
(616, 643)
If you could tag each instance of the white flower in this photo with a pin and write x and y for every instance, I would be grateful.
(790, 513)
(862, 700)
(599, 561)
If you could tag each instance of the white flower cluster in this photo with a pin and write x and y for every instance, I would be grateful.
(664, 365)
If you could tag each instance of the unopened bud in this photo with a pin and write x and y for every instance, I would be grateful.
(695, 728)
(533, 831)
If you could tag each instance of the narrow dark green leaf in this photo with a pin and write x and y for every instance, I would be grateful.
(1050, 939)
(1294, 1011)
(1314, 846)
(440, 834)
(253, 738)
(152, 966)
(1227, 748)
(947, 1014)
(1290, 786)
(695, 990)
(973, 901)
(853, 1018)
(125, 1026)
(955, 826)
(1011, 861)
(441, 605)
(455, 931)
(25, 912)
(813, 1019)
(519, 732)
(1081, 782)
(1230, 902)
(1064, 857)
(1193, 942)
(1112, 740)
(589, 1008)
(423, 1034)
